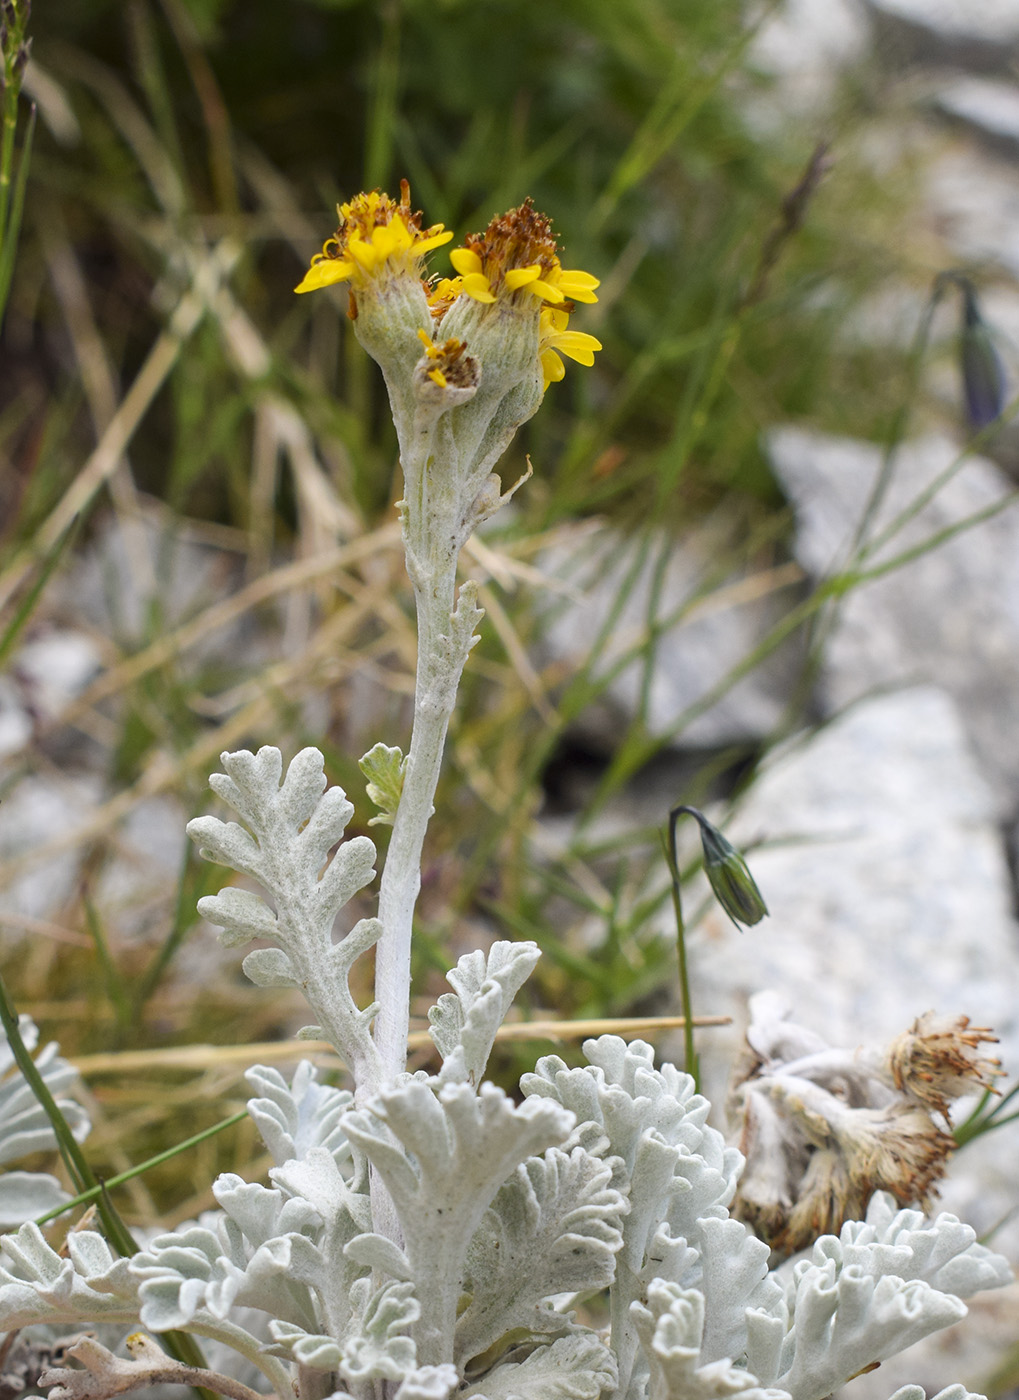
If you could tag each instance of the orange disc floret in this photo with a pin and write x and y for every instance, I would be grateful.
(375, 236)
(517, 253)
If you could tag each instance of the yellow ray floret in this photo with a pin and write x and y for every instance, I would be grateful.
(375, 234)
(555, 340)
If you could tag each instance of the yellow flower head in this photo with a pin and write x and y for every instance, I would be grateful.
(375, 237)
(517, 254)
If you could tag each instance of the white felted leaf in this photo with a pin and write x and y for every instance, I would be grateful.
(343, 1215)
(39, 1285)
(26, 1195)
(676, 1169)
(381, 1348)
(379, 1253)
(944, 1252)
(951, 1392)
(290, 829)
(315, 1350)
(429, 1383)
(269, 967)
(467, 1019)
(24, 1126)
(443, 1158)
(734, 1277)
(242, 914)
(843, 1322)
(867, 1295)
(670, 1329)
(572, 1368)
(554, 1227)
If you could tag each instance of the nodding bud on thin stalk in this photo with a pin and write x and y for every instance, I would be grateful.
(983, 376)
(730, 879)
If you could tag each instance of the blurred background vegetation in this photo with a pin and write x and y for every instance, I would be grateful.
(197, 469)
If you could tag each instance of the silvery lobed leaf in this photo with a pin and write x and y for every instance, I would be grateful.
(26, 1195)
(294, 1118)
(344, 1215)
(291, 828)
(670, 1327)
(381, 1347)
(317, 1351)
(443, 1157)
(579, 1367)
(944, 1252)
(863, 1297)
(24, 1126)
(677, 1168)
(464, 1022)
(554, 1227)
(734, 1278)
(39, 1285)
(429, 1383)
(951, 1392)
(622, 1091)
(260, 1252)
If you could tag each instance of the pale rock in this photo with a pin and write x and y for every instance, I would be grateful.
(972, 200)
(889, 895)
(805, 46)
(55, 666)
(989, 107)
(15, 721)
(138, 886)
(949, 616)
(982, 35)
(709, 620)
(36, 811)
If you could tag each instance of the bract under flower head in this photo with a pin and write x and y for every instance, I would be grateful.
(376, 236)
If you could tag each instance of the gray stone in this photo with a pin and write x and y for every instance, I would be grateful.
(36, 811)
(972, 200)
(950, 616)
(805, 46)
(889, 895)
(710, 621)
(981, 35)
(138, 886)
(988, 107)
(53, 667)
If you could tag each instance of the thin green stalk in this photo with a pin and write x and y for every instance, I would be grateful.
(26, 607)
(382, 119)
(692, 1063)
(84, 1197)
(116, 989)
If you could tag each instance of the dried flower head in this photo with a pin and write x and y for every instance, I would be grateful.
(823, 1129)
(939, 1059)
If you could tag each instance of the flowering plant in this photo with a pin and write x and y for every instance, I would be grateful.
(425, 1236)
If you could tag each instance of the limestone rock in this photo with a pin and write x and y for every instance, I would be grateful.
(948, 617)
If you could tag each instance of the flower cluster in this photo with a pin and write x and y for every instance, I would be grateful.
(512, 267)
(823, 1130)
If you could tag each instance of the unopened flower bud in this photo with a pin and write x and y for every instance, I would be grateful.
(728, 875)
(983, 377)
